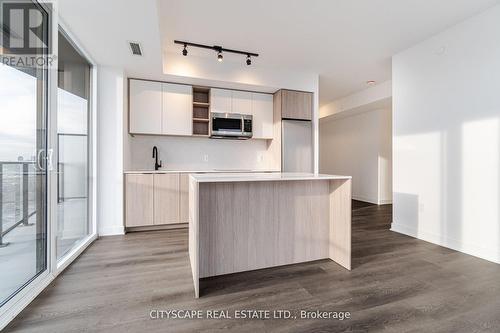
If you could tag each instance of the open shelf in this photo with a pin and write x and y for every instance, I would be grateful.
(201, 95)
(200, 128)
(201, 111)
(201, 104)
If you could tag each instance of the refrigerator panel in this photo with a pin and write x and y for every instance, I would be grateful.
(297, 151)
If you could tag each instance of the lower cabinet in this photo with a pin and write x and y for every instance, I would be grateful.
(156, 199)
(138, 200)
(166, 198)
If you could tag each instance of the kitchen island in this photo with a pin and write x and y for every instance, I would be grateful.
(248, 221)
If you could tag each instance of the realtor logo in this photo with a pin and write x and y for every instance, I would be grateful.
(25, 27)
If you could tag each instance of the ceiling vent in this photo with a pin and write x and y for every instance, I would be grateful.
(135, 48)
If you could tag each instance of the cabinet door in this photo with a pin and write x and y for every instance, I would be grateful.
(220, 100)
(296, 105)
(145, 101)
(184, 197)
(166, 198)
(177, 112)
(262, 111)
(242, 102)
(138, 200)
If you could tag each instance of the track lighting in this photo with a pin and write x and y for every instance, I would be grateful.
(218, 49)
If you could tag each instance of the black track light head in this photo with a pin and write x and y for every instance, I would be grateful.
(220, 57)
(185, 51)
(249, 61)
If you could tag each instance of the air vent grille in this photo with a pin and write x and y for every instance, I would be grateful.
(135, 48)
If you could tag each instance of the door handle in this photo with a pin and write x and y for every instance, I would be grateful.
(39, 159)
(50, 166)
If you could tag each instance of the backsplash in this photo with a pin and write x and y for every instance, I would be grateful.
(189, 153)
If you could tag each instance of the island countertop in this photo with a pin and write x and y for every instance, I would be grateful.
(259, 177)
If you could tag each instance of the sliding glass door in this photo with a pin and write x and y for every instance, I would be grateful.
(73, 96)
(23, 168)
(47, 149)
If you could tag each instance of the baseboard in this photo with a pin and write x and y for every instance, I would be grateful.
(364, 199)
(158, 227)
(112, 230)
(492, 255)
(385, 202)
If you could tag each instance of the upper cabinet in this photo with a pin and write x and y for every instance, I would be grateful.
(262, 111)
(221, 100)
(296, 105)
(177, 104)
(259, 105)
(160, 108)
(242, 102)
(145, 107)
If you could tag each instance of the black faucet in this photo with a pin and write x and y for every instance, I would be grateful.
(155, 156)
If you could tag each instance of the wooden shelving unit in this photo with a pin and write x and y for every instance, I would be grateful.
(201, 111)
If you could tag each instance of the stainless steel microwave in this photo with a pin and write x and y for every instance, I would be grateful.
(231, 126)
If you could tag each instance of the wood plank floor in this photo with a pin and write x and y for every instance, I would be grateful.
(398, 284)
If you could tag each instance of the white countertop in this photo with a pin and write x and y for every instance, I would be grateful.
(196, 171)
(258, 177)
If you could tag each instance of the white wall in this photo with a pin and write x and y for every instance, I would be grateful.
(359, 145)
(110, 151)
(385, 157)
(446, 136)
(371, 98)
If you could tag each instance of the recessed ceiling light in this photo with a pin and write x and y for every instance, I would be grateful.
(371, 82)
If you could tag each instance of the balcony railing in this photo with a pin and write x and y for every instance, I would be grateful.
(23, 175)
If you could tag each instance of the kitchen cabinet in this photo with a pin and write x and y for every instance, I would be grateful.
(145, 107)
(241, 102)
(154, 199)
(221, 100)
(166, 198)
(296, 105)
(139, 200)
(262, 112)
(184, 197)
(177, 105)
(167, 108)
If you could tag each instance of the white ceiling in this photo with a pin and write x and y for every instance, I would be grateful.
(346, 42)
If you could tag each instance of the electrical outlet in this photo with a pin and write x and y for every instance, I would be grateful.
(205, 158)
(260, 158)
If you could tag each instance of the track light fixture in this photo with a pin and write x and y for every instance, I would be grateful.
(218, 49)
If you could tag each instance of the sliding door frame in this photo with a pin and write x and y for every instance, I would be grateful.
(53, 268)
(59, 265)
